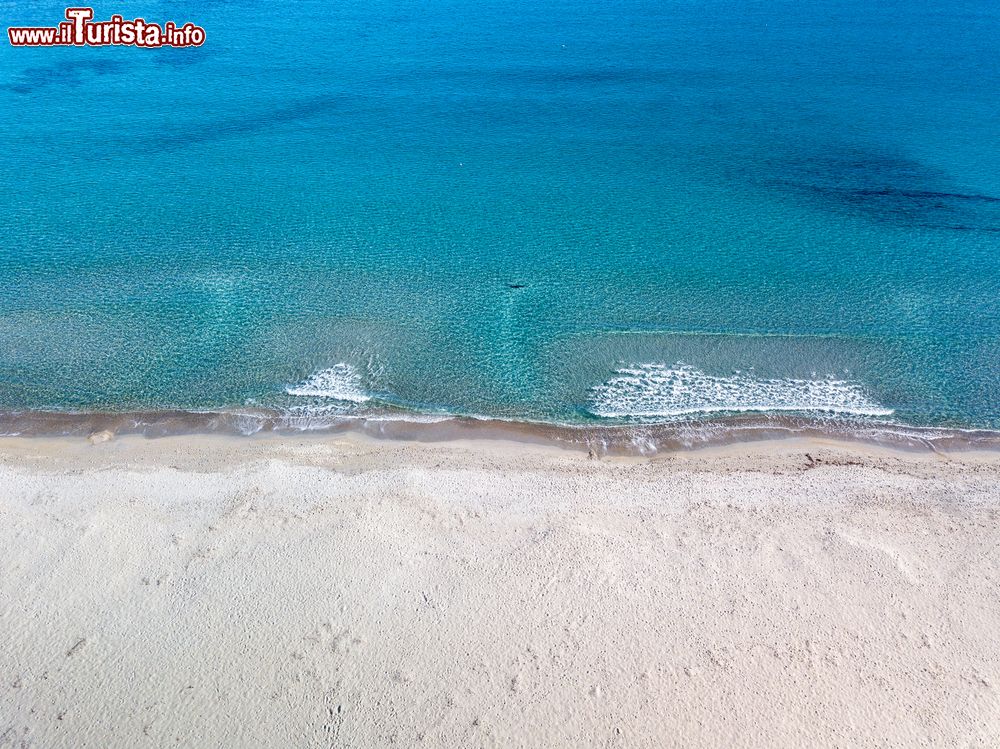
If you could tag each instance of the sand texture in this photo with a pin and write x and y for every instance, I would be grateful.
(271, 592)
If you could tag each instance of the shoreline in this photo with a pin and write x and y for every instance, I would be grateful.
(597, 439)
(353, 591)
(222, 452)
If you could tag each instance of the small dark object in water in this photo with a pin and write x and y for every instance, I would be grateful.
(516, 286)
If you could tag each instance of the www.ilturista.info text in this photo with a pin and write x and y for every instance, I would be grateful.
(81, 30)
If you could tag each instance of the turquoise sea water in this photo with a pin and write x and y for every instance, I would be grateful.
(580, 212)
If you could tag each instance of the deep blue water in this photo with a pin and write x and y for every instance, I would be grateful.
(571, 211)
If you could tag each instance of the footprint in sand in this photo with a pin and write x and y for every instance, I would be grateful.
(76, 647)
(338, 640)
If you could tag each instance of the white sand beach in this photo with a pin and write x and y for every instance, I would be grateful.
(348, 592)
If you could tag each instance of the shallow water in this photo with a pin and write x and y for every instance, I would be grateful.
(571, 212)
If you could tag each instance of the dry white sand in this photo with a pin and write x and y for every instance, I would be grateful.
(340, 592)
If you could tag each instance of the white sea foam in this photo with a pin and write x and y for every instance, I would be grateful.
(340, 382)
(314, 416)
(659, 390)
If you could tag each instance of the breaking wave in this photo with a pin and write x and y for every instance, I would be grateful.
(658, 390)
(340, 382)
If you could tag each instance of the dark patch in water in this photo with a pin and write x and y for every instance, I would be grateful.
(888, 189)
(516, 286)
(959, 227)
(663, 80)
(63, 73)
(920, 194)
(234, 126)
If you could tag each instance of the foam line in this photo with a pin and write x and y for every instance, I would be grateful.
(659, 390)
(339, 382)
